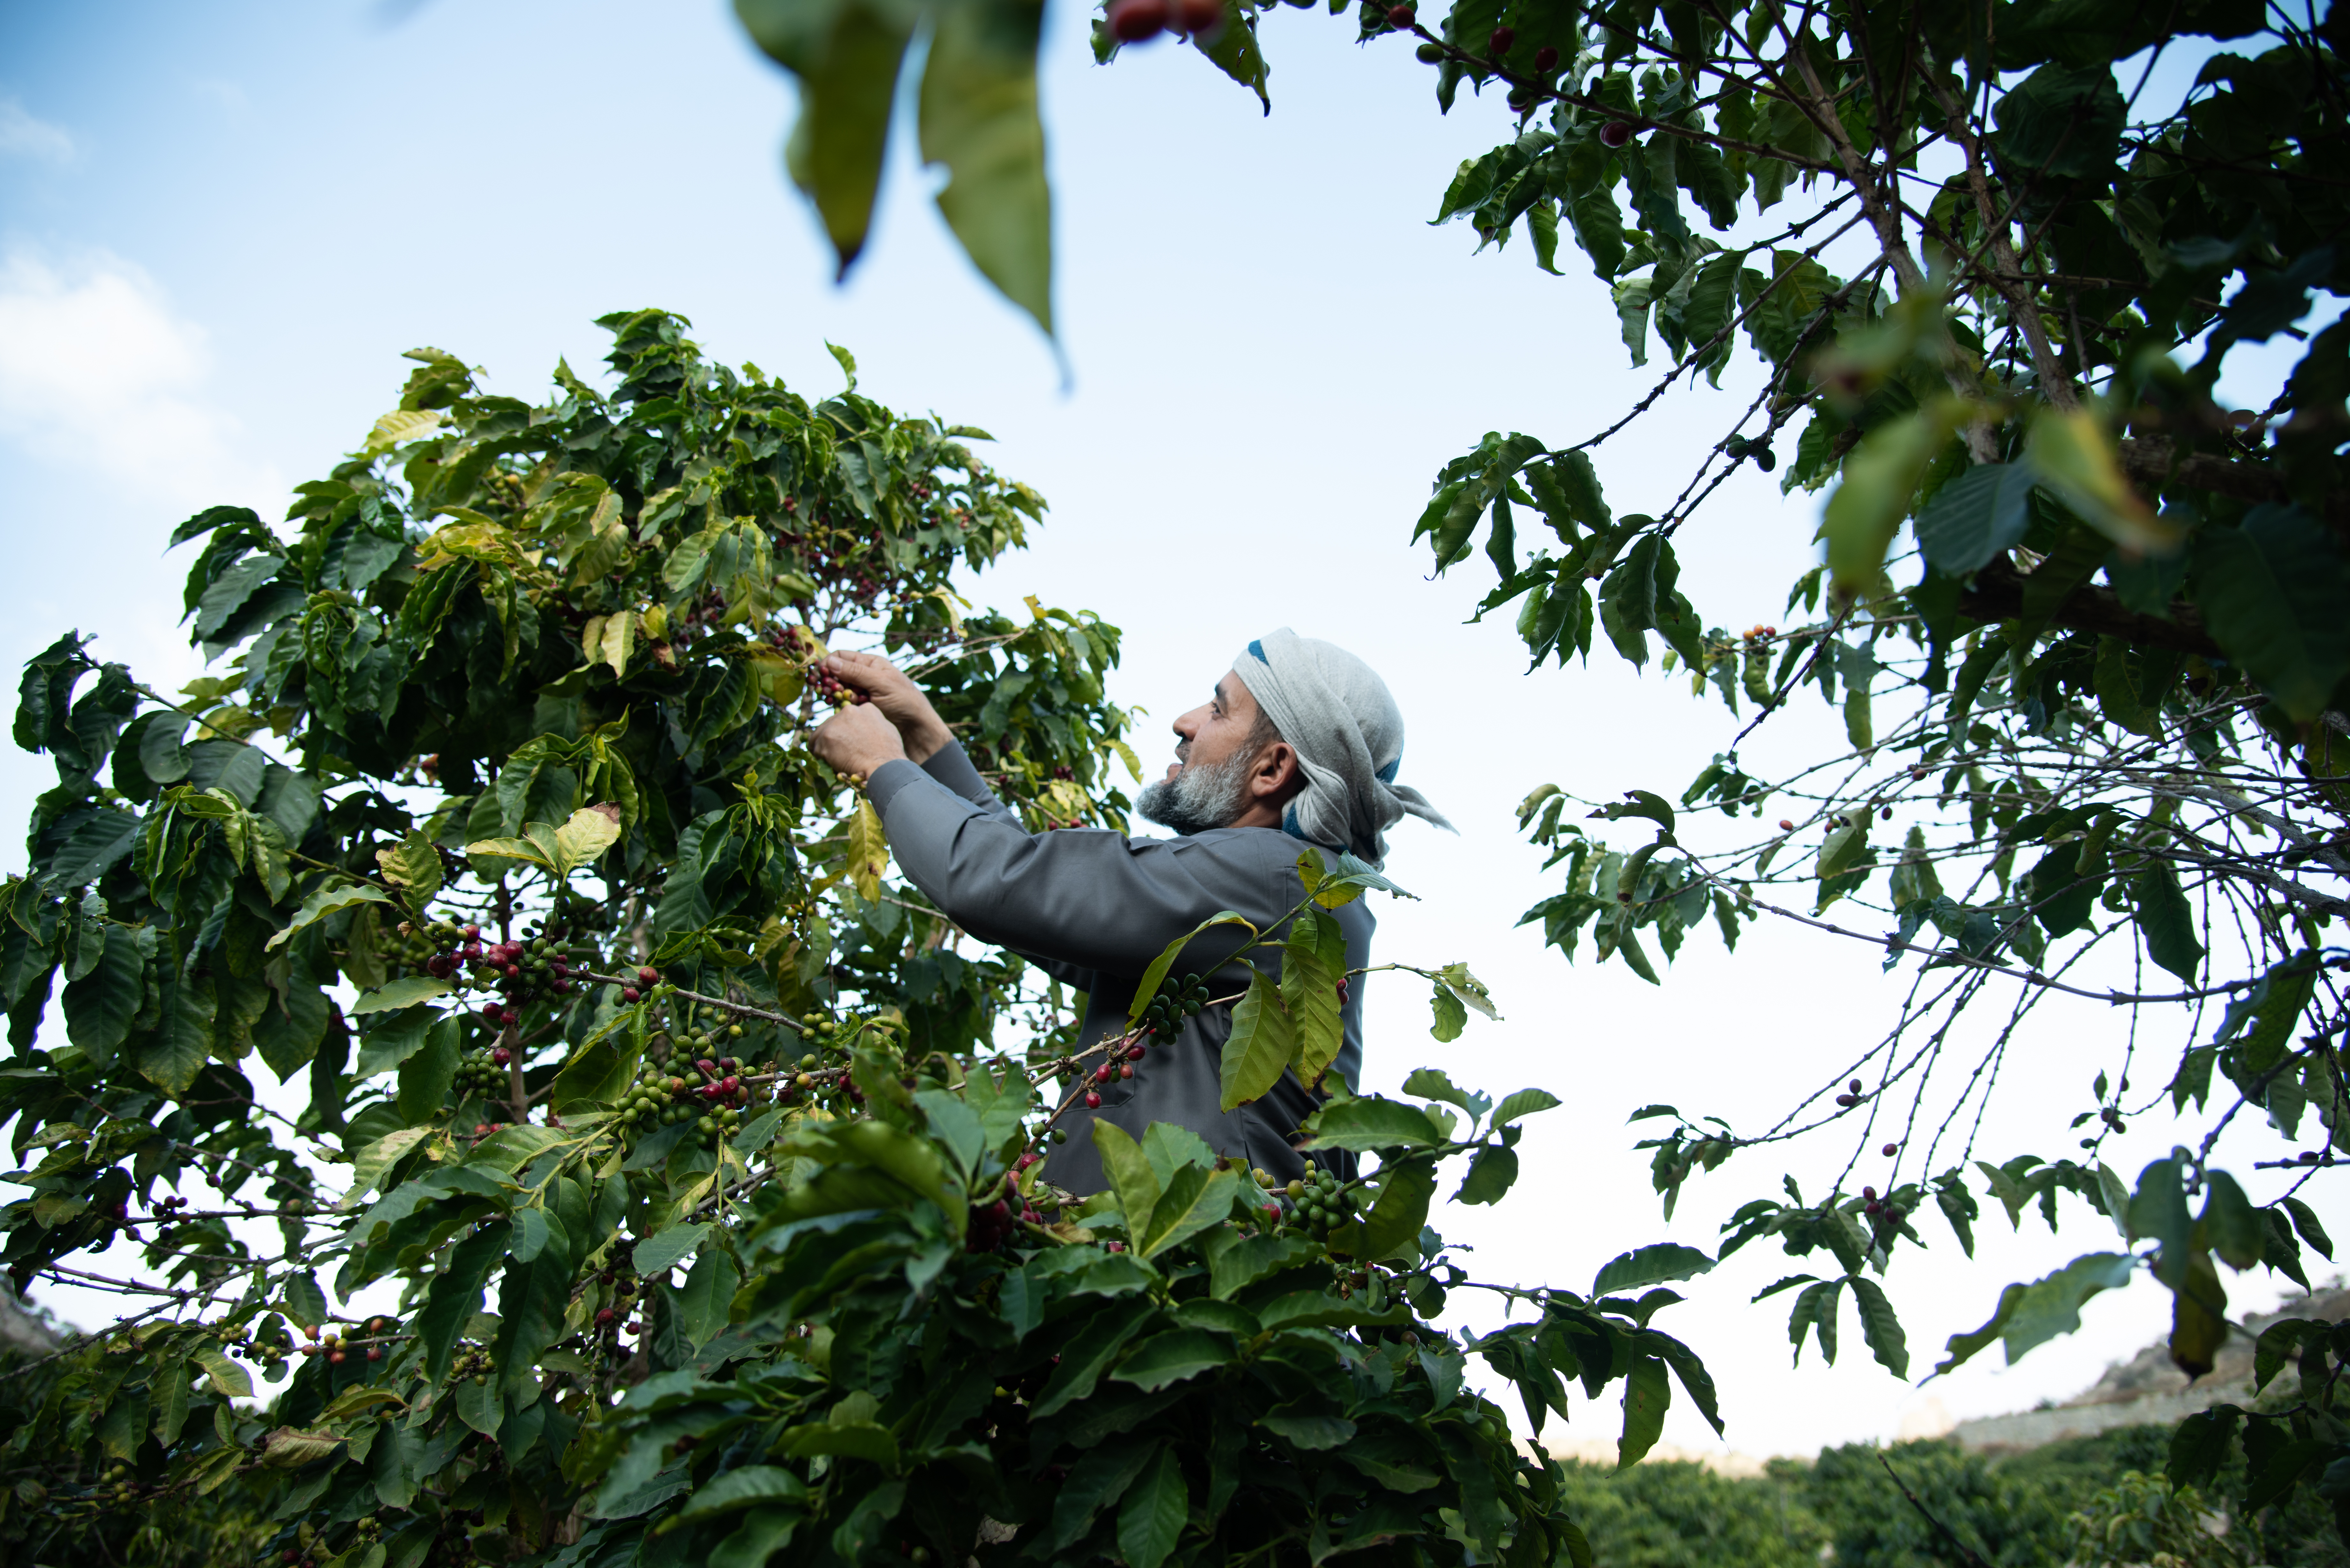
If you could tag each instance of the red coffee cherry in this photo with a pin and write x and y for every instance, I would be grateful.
(1093, 1100)
(1136, 21)
(1499, 43)
(1545, 60)
(1616, 133)
(1199, 15)
(1400, 18)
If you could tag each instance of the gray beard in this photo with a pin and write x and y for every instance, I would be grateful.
(1198, 799)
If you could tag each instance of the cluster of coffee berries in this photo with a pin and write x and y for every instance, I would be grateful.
(1736, 447)
(647, 978)
(614, 1319)
(1889, 1212)
(1760, 633)
(472, 1363)
(335, 1347)
(832, 689)
(1322, 1204)
(520, 972)
(117, 1483)
(1851, 1096)
(482, 1072)
(1138, 21)
(708, 616)
(710, 1094)
(1163, 1019)
(994, 1223)
(166, 1208)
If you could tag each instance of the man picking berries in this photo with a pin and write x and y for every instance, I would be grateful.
(1300, 741)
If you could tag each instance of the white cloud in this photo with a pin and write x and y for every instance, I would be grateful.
(97, 371)
(23, 135)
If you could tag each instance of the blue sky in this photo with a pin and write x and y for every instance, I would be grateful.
(220, 226)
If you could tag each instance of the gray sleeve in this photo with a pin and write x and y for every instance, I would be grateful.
(1082, 896)
(952, 766)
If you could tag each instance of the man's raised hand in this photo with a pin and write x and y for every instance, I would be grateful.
(857, 740)
(898, 698)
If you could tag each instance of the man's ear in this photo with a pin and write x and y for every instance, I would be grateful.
(1277, 775)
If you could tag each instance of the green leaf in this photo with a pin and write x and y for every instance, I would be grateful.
(1130, 1175)
(1432, 1084)
(747, 1485)
(1195, 1198)
(1157, 971)
(2304, 1220)
(846, 55)
(1647, 1392)
(1308, 1429)
(456, 1293)
(979, 118)
(1651, 1266)
(2273, 593)
(1313, 960)
(302, 1300)
(1370, 1123)
(1491, 1172)
(1151, 1519)
(101, 1005)
(403, 992)
(325, 900)
(598, 1074)
(2229, 1225)
(1524, 1103)
(1263, 1043)
(2030, 1315)
(2167, 920)
(1449, 1017)
(1081, 1366)
(658, 1254)
(1169, 1358)
(228, 1377)
(1816, 1311)
(425, 1077)
(1977, 518)
(1406, 1189)
(701, 1303)
(2060, 122)
(1880, 1327)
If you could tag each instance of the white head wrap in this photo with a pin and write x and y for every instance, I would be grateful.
(1339, 716)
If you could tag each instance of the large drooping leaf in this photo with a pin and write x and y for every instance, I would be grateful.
(978, 117)
(2272, 592)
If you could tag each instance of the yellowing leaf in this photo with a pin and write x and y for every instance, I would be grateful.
(2075, 458)
(413, 867)
(378, 1157)
(869, 850)
(617, 641)
(1879, 478)
(398, 426)
(584, 836)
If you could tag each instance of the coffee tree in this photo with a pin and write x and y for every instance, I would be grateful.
(523, 1120)
(2084, 620)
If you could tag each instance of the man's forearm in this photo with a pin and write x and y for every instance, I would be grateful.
(926, 736)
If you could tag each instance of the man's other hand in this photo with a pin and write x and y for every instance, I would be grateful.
(900, 701)
(857, 740)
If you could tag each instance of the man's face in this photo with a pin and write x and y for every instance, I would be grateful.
(1206, 787)
(1210, 734)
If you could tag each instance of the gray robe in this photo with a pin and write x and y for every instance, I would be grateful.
(1093, 909)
